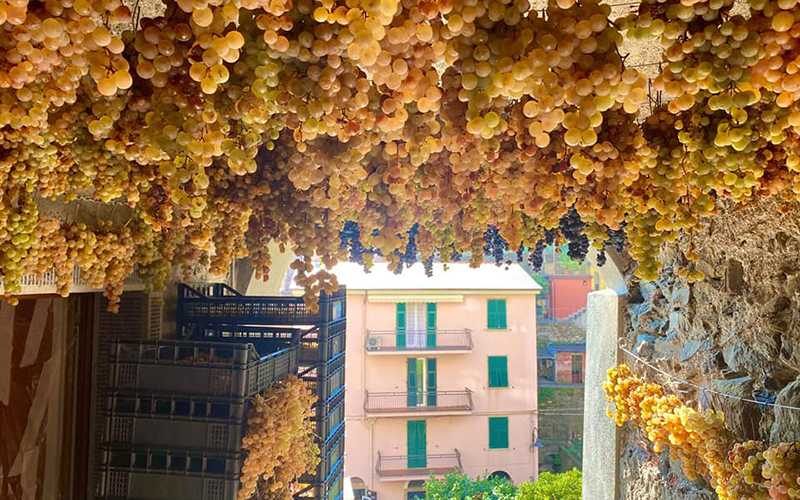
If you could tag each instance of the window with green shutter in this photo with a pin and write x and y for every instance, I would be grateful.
(498, 433)
(431, 325)
(498, 371)
(496, 314)
(400, 317)
(417, 444)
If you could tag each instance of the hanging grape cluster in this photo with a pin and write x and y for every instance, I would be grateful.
(409, 129)
(279, 441)
(702, 443)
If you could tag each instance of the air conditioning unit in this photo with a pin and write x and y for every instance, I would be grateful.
(373, 342)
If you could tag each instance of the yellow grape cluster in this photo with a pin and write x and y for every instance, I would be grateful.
(731, 80)
(750, 470)
(279, 441)
(227, 125)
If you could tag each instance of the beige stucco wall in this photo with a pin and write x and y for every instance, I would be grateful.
(366, 436)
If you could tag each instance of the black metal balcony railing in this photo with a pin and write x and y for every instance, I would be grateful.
(440, 340)
(418, 402)
(422, 465)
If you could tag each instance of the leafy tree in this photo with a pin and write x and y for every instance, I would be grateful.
(457, 486)
(564, 486)
(565, 262)
(541, 281)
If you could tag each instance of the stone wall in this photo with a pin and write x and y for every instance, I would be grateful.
(561, 333)
(737, 331)
(560, 424)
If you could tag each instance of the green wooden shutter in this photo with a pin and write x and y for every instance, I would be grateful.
(501, 314)
(431, 382)
(431, 325)
(417, 445)
(401, 325)
(503, 371)
(411, 382)
(498, 433)
(496, 314)
(498, 371)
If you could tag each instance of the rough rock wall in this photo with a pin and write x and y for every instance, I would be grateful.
(737, 331)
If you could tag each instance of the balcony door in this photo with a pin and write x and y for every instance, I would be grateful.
(421, 382)
(416, 325)
(417, 444)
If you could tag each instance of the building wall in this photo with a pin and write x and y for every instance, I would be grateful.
(568, 295)
(468, 433)
(564, 366)
(560, 424)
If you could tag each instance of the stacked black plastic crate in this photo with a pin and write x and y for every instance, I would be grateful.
(175, 414)
(322, 364)
(218, 313)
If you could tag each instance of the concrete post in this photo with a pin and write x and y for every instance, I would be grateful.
(600, 434)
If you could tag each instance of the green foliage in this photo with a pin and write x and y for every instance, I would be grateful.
(557, 463)
(558, 396)
(456, 486)
(564, 486)
(547, 394)
(541, 281)
(565, 262)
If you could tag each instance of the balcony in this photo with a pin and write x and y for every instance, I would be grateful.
(404, 467)
(440, 342)
(403, 404)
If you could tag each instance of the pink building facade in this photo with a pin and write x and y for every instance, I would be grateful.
(440, 376)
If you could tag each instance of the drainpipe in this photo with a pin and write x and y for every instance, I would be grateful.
(368, 422)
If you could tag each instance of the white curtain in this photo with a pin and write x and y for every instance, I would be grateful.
(416, 324)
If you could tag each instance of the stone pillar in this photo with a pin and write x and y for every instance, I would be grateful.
(600, 434)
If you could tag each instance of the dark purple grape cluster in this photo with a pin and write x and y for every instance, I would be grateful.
(571, 227)
(495, 245)
(617, 238)
(602, 258)
(536, 256)
(428, 265)
(350, 236)
(409, 256)
(549, 236)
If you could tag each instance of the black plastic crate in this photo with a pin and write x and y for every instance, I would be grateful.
(316, 348)
(161, 474)
(335, 489)
(175, 421)
(315, 345)
(329, 489)
(327, 380)
(331, 453)
(264, 338)
(195, 367)
(329, 417)
(220, 304)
